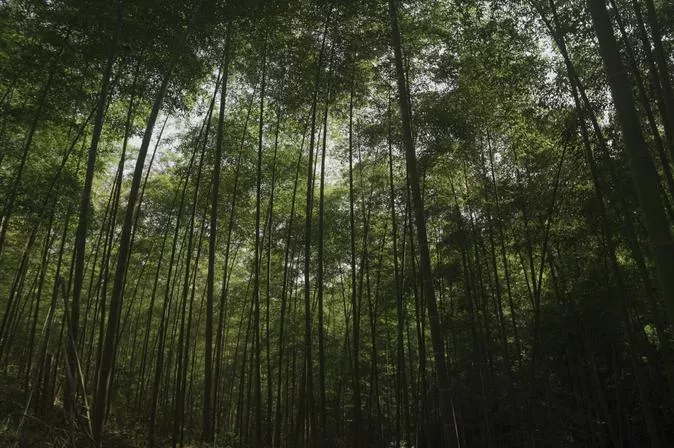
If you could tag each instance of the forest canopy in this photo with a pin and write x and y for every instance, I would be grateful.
(313, 223)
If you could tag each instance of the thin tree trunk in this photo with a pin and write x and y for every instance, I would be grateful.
(355, 308)
(208, 424)
(401, 377)
(83, 222)
(643, 172)
(320, 281)
(102, 391)
(446, 414)
(308, 393)
(256, 282)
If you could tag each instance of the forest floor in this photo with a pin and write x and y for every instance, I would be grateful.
(52, 429)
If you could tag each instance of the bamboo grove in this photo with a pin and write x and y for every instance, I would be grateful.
(269, 223)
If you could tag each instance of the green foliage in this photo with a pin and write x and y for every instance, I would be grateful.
(550, 309)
